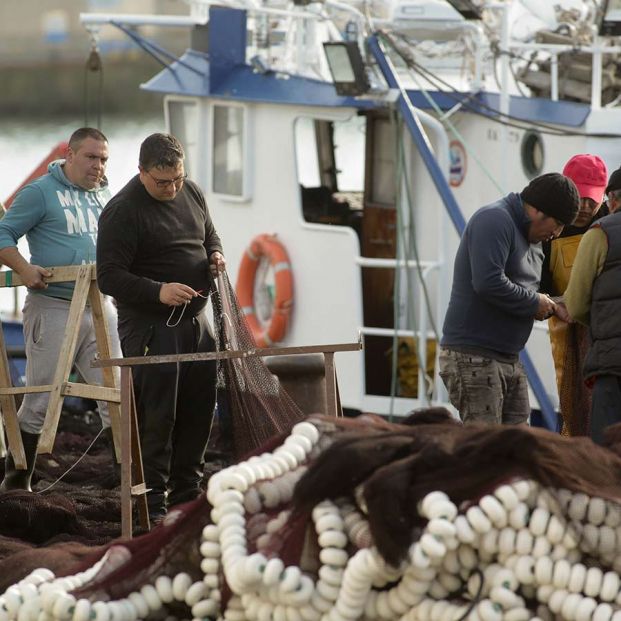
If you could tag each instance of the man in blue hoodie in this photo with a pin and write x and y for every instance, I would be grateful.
(58, 213)
(495, 300)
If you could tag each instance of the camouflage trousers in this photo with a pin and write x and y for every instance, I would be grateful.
(485, 390)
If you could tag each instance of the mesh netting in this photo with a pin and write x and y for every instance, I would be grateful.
(253, 407)
(409, 513)
(58, 527)
(574, 396)
(429, 514)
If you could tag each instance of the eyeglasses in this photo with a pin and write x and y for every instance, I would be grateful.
(164, 183)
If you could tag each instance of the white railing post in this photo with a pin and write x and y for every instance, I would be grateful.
(596, 78)
(421, 342)
(554, 76)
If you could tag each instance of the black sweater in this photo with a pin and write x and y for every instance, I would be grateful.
(143, 243)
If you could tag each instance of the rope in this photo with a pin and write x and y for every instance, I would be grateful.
(185, 305)
(412, 243)
(64, 474)
(477, 597)
(397, 290)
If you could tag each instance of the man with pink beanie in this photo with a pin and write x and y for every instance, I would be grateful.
(569, 340)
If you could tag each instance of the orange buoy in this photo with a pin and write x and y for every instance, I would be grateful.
(266, 247)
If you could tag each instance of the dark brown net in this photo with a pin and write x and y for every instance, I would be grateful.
(252, 409)
(574, 395)
(252, 405)
(57, 527)
(398, 467)
(379, 469)
(171, 547)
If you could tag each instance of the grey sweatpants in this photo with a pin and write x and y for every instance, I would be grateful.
(45, 319)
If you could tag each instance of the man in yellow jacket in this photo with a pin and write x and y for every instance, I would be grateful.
(569, 340)
(593, 298)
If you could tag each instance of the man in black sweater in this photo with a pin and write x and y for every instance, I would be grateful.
(156, 245)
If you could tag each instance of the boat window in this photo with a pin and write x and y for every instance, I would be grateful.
(532, 154)
(349, 141)
(228, 150)
(381, 154)
(306, 153)
(182, 122)
(330, 164)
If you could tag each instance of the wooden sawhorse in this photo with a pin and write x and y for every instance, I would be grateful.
(85, 292)
(128, 405)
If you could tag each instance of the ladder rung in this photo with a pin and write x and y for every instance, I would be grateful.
(91, 391)
(25, 390)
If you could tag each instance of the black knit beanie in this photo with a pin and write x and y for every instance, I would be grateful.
(614, 183)
(555, 195)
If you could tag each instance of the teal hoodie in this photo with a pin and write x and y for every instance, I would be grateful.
(59, 220)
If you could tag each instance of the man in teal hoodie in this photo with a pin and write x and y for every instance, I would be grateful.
(58, 213)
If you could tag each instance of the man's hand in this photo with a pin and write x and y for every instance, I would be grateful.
(562, 313)
(176, 294)
(217, 263)
(546, 307)
(32, 276)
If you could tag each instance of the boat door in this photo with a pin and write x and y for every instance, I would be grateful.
(379, 241)
(394, 310)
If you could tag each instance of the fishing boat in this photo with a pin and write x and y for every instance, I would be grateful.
(343, 145)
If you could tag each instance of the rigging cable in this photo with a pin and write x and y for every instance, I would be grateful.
(407, 249)
(394, 359)
(446, 121)
(517, 123)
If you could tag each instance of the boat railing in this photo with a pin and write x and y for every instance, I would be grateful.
(421, 334)
(92, 20)
(298, 46)
(598, 51)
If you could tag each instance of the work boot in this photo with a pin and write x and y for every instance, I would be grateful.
(156, 504)
(20, 479)
(113, 478)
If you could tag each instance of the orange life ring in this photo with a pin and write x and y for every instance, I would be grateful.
(268, 247)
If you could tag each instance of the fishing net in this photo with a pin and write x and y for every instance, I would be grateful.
(570, 343)
(574, 395)
(252, 404)
(56, 527)
(364, 519)
(252, 408)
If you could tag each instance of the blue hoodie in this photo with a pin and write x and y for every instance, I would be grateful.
(59, 220)
(497, 271)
